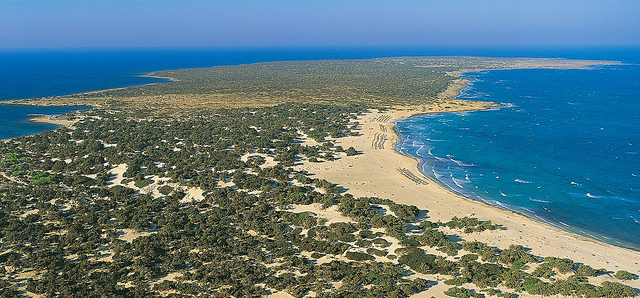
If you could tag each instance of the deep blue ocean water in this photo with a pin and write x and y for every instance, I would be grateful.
(564, 148)
(559, 127)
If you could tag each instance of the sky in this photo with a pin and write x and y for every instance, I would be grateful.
(223, 23)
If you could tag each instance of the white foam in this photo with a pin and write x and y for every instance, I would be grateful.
(522, 181)
(593, 196)
(459, 182)
(441, 159)
(435, 174)
(540, 201)
(460, 163)
(422, 148)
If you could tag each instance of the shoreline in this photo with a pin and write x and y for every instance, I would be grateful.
(588, 235)
(49, 119)
(381, 170)
(455, 90)
(574, 230)
(455, 105)
(374, 173)
(457, 87)
(499, 63)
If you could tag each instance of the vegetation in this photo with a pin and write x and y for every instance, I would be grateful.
(383, 82)
(624, 275)
(105, 208)
(470, 224)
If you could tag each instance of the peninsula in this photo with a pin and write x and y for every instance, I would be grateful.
(275, 179)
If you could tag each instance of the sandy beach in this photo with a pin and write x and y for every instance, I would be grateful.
(382, 171)
(50, 119)
(54, 119)
(379, 170)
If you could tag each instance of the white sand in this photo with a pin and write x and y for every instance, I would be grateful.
(118, 171)
(331, 214)
(193, 194)
(269, 160)
(374, 173)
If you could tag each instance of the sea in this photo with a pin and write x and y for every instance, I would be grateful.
(564, 147)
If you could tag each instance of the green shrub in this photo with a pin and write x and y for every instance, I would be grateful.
(363, 243)
(469, 257)
(490, 291)
(470, 224)
(456, 281)
(586, 270)
(563, 265)
(433, 237)
(484, 274)
(359, 256)
(347, 238)
(143, 183)
(516, 254)
(404, 212)
(462, 293)
(421, 262)
(624, 275)
(613, 289)
(366, 234)
(306, 220)
(410, 242)
(377, 252)
(381, 242)
(544, 271)
(165, 190)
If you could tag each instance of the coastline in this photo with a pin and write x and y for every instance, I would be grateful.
(588, 235)
(446, 103)
(53, 119)
(230, 100)
(380, 169)
(374, 173)
(539, 219)
(365, 175)
(56, 119)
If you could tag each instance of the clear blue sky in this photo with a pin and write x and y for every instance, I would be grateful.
(151, 23)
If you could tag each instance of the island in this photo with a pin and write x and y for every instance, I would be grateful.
(274, 179)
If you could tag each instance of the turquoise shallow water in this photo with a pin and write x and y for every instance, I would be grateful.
(564, 148)
(38, 73)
